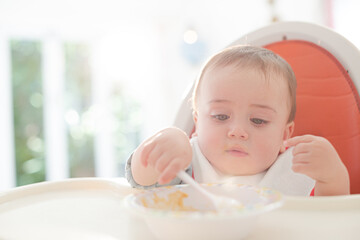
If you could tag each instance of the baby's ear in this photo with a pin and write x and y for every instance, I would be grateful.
(282, 148)
(289, 129)
(195, 116)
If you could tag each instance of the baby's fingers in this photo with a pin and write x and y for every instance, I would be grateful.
(298, 139)
(301, 158)
(162, 162)
(300, 164)
(146, 150)
(303, 149)
(170, 171)
(300, 167)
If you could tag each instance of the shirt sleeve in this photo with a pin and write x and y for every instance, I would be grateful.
(130, 179)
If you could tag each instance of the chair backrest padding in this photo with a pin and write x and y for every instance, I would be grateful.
(328, 103)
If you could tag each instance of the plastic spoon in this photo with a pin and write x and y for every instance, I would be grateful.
(219, 202)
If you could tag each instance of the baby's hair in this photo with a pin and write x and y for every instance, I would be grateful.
(256, 58)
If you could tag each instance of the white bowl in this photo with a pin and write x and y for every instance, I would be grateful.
(202, 223)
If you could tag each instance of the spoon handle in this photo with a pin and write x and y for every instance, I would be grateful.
(189, 180)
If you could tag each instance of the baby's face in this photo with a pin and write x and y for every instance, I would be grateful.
(241, 119)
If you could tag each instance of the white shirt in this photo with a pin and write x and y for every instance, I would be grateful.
(279, 176)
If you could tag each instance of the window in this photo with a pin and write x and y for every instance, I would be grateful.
(98, 133)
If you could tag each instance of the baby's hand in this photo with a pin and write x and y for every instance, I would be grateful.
(317, 158)
(168, 152)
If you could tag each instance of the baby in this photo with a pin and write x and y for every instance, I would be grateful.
(244, 104)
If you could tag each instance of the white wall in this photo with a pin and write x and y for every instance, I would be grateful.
(347, 19)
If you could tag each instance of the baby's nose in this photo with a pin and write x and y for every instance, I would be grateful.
(238, 132)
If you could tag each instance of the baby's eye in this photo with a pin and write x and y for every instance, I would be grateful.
(221, 117)
(258, 121)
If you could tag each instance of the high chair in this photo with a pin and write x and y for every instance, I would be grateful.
(327, 69)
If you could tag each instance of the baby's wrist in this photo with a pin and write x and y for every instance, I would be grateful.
(339, 184)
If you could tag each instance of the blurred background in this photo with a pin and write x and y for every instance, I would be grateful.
(83, 82)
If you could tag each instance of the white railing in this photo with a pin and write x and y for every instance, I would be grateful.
(53, 99)
(103, 143)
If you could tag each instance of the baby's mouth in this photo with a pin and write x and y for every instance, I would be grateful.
(237, 152)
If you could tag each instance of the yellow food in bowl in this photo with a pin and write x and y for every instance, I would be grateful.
(173, 202)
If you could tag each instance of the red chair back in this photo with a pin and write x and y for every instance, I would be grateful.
(328, 103)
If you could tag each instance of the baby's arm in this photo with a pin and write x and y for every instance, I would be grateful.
(159, 158)
(317, 158)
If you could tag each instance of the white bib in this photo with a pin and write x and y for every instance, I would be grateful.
(279, 176)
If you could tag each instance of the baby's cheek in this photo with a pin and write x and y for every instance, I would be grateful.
(208, 136)
(268, 154)
(206, 145)
(209, 144)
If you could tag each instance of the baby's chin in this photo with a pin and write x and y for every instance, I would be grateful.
(237, 171)
(240, 170)
(242, 173)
